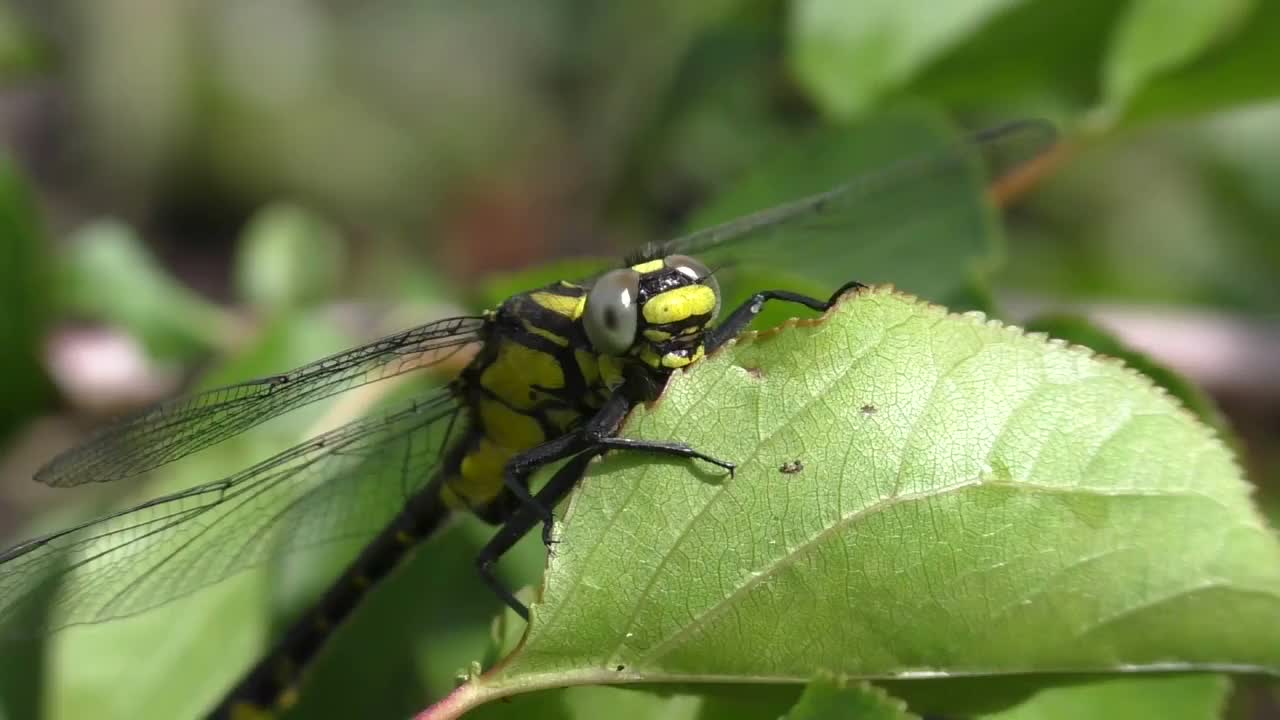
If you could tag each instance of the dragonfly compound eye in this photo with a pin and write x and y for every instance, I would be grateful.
(611, 316)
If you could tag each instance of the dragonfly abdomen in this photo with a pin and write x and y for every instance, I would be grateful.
(534, 379)
(270, 685)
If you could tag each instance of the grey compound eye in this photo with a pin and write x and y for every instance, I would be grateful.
(695, 270)
(611, 315)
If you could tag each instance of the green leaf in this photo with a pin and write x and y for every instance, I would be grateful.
(849, 54)
(1155, 37)
(835, 700)
(1081, 331)
(1176, 697)
(917, 494)
(931, 232)
(22, 52)
(1236, 70)
(110, 276)
(1043, 55)
(22, 667)
(24, 291)
(288, 257)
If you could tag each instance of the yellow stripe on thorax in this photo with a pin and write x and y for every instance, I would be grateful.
(545, 334)
(516, 369)
(509, 428)
(566, 305)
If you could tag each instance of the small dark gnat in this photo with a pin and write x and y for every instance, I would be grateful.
(869, 409)
(791, 468)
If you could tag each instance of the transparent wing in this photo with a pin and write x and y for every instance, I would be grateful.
(892, 215)
(344, 484)
(173, 429)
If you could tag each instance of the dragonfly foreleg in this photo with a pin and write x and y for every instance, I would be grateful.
(741, 317)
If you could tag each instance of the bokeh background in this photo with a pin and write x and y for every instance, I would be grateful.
(197, 192)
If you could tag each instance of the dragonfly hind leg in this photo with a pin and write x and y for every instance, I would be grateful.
(598, 436)
(522, 521)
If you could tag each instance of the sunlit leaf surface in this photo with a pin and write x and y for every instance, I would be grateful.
(917, 493)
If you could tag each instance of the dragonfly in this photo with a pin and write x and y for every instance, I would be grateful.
(554, 374)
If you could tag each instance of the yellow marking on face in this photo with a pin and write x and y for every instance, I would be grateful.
(545, 333)
(508, 428)
(404, 538)
(674, 360)
(648, 267)
(515, 369)
(570, 307)
(692, 329)
(649, 357)
(679, 304)
(657, 335)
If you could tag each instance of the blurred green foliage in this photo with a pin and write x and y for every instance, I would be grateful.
(24, 297)
(219, 179)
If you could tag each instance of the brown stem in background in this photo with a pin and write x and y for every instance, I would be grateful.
(1013, 185)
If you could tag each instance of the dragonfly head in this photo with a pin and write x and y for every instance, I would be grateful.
(655, 311)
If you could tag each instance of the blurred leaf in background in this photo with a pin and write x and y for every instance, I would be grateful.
(288, 258)
(1176, 697)
(849, 55)
(111, 277)
(24, 296)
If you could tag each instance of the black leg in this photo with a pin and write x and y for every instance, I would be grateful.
(741, 317)
(598, 434)
(516, 474)
(522, 521)
(678, 449)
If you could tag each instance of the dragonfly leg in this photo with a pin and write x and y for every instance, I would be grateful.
(599, 433)
(601, 425)
(677, 449)
(516, 474)
(741, 317)
(522, 521)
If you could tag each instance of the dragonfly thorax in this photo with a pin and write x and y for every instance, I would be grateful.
(552, 357)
